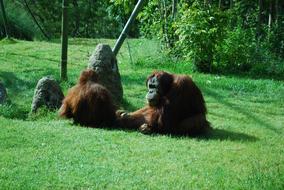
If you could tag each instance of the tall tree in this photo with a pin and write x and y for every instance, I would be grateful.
(260, 18)
(77, 17)
(270, 14)
(174, 8)
(4, 18)
(64, 39)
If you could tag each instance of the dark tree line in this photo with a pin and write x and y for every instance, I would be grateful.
(216, 35)
(88, 18)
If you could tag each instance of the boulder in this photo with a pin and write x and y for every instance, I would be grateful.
(3, 93)
(47, 93)
(104, 63)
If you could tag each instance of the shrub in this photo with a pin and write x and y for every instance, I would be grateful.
(237, 52)
(199, 28)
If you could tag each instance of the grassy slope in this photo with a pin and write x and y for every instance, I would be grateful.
(245, 150)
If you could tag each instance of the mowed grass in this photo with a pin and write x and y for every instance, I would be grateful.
(245, 150)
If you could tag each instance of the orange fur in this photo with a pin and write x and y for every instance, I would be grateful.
(89, 103)
(181, 108)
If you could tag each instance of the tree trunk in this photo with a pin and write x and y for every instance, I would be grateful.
(276, 10)
(4, 18)
(165, 27)
(270, 13)
(260, 18)
(174, 9)
(231, 4)
(64, 41)
(77, 17)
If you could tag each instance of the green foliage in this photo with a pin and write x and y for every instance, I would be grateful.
(127, 6)
(86, 18)
(220, 36)
(150, 20)
(119, 12)
(20, 23)
(238, 52)
(216, 36)
(158, 20)
(276, 37)
(200, 29)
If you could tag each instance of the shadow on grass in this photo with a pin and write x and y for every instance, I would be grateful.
(85, 41)
(17, 88)
(214, 134)
(10, 110)
(221, 135)
(14, 83)
(34, 57)
(17, 85)
(238, 109)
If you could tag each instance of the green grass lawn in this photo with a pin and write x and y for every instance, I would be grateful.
(245, 150)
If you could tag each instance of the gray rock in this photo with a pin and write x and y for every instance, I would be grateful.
(47, 93)
(104, 62)
(3, 93)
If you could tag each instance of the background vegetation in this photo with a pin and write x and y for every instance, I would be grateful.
(217, 36)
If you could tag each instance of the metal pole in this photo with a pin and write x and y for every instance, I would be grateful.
(4, 18)
(125, 30)
(64, 40)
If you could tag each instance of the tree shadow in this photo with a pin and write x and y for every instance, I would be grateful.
(11, 110)
(222, 134)
(238, 109)
(34, 57)
(14, 83)
(213, 134)
(17, 87)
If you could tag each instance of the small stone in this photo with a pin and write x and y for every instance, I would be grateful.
(47, 93)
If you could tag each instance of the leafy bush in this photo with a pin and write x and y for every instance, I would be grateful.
(276, 37)
(150, 24)
(237, 52)
(219, 36)
(158, 20)
(200, 28)
(240, 52)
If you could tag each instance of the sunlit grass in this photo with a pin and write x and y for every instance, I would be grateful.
(245, 150)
